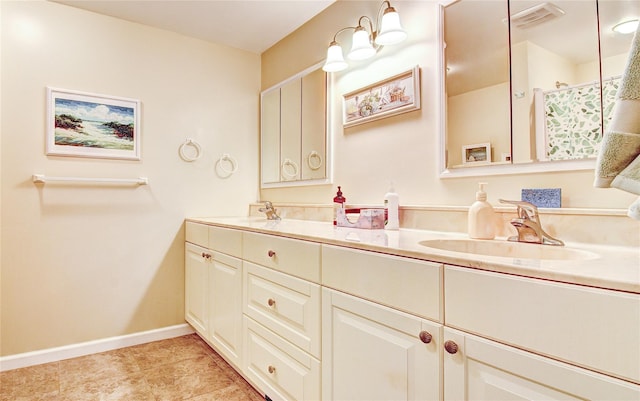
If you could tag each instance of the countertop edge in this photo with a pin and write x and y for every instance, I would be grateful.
(590, 273)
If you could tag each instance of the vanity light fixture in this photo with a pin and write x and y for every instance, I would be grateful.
(365, 43)
(626, 27)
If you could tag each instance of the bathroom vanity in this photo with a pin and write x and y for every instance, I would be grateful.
(308, 311)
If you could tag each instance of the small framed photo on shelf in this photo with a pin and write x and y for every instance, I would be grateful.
(479, 153)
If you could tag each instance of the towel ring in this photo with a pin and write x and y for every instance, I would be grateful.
(294, 169)
(314, 155)
(194, 144)
(229, 160)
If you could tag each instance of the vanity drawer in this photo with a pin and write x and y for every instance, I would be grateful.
(281, 370)
(197, 233)
(226, 240)
(286, 305)
(223, 240)
(409, 285)
(295, 257)
(591, 327)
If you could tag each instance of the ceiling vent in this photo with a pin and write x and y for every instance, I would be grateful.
(536, 15)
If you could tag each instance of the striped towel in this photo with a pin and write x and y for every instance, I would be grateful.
(618, 164)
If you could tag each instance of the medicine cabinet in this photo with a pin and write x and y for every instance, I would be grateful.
(294, 140)
(538, 87)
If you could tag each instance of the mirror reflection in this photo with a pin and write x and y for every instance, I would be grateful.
(476, 80)
(293, 131)
(538, 97)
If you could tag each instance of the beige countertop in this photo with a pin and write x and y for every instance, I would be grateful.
(610, 267)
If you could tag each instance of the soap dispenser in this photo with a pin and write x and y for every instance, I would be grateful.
(481, 216)
(338, 203)
(391, 206)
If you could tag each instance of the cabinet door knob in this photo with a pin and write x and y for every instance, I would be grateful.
(271, 302)
(425, 337)
(272, 369)
(271, 253)
(451, 347)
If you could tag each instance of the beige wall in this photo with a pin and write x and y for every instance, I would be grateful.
(487, 120)
(86, 262)
(402, 148)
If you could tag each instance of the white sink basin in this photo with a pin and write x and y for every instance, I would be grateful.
(508, 249)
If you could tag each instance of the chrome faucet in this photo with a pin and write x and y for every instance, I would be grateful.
(270, 211)
(528, 225)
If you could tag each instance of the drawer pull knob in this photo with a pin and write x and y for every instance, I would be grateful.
(272, 369)
(451, 347)
(271, 302)
(271, 253)
(425, 337)
(206, 255)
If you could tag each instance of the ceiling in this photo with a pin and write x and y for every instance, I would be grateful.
(252, 25)
(477, 37)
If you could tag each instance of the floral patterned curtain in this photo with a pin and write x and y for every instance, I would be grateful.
(572, 119)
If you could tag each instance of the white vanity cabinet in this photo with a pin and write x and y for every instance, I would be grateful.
(213, 287)
(282, 316)
(375, 349)
(528, 339)
(308, 320)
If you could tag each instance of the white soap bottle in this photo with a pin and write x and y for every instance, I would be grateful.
(391, 205)
(481, 216)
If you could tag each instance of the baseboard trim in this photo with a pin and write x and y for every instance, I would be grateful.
(91, 347)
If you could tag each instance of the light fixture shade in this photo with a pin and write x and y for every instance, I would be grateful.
(626, 27)
(391, 31)
(361, 47)
(335, 60)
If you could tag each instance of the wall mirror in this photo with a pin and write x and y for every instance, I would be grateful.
(536, 89)
(294, 142)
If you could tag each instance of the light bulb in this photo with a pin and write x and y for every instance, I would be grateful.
(335, 60)
(626, 26)
(361, 47)
(391, 31)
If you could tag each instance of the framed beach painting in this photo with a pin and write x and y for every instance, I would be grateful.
(91, 125)
(394, 95)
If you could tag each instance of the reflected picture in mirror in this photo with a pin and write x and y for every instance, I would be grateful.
(475, 154)
(539, 86)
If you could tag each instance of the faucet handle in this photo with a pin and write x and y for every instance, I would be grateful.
(526, 210)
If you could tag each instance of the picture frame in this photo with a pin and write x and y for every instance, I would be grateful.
(391, 96)
(479, 153)
(82, 124)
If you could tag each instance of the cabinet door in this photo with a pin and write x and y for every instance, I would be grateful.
(371, 352)
(225, 306)
(196, 265)
(313, 139)
(290, 120)
(270, 136)
(480, 369)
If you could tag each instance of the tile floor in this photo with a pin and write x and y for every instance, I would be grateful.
(182, 368)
